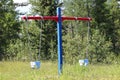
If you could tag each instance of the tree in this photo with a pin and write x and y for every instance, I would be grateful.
(100, 15)
(115, 23)
(100, 48)
(102, 29)
(46, 8)
(106, 19)
(106, 16)
(75, 39)
(9, 25)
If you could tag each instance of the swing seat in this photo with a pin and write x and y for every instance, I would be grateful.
(32, 64)
(83, 62)
(35, 64)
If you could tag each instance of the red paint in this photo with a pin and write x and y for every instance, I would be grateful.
(76, 18)
(55, 18)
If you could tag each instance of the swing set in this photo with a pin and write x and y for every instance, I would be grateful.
(59, 19)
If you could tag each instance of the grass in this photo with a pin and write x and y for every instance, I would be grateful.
(48, 71)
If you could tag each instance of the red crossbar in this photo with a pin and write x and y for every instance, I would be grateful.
(41, 17)
(55, 18)
(77, 18)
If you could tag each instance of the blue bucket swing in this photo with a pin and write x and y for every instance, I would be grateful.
(35, 64)
(85, 61)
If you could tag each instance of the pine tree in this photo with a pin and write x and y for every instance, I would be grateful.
(115, 23)
(100, 15)
(105, 16)
(46, 8)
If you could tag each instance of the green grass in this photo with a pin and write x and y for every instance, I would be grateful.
(48, 71)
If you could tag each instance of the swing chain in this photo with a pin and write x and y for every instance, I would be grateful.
(27, 31)
(41, 24)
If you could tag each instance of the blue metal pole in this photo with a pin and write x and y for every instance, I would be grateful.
(59, 34)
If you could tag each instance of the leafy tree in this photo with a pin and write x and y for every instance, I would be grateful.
(75, 39)
(74, 48)
(100, 49)
(9, 25)
(105, 26)
(26, 46)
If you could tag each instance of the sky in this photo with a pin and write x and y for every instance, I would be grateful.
(20, 1)
(23, 9)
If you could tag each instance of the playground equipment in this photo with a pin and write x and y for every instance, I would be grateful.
(83, 62)
(59, 19)
(35, 64)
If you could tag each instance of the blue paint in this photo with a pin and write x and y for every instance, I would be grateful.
(59, 34)
(37, 63)
(86, 61)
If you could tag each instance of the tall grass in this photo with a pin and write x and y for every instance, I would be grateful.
(48, 71)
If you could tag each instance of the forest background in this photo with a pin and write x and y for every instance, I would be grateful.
(97, 40)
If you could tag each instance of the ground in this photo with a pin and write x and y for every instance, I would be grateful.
(48, 71)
